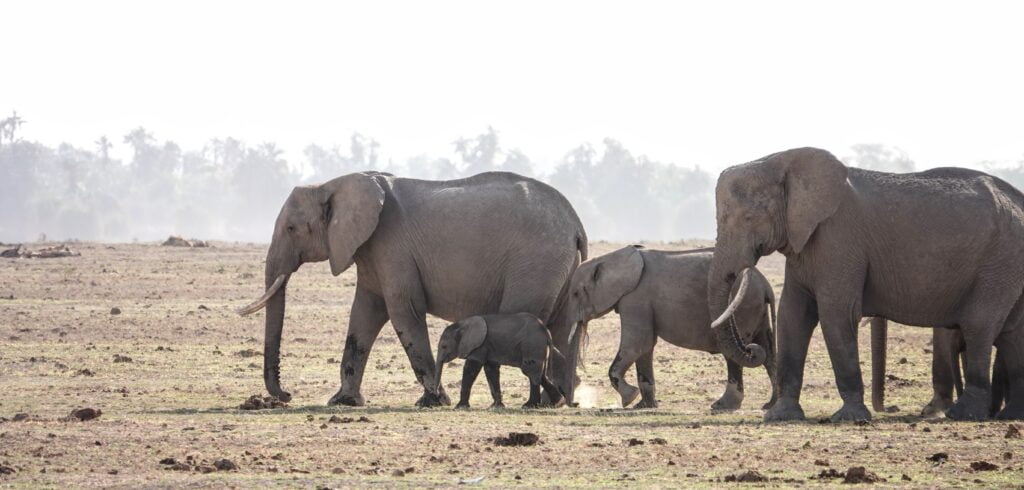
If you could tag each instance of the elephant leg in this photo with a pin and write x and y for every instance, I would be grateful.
(534, 371)
(645, 377)
(798, 314)
(368, 316)
(636, 338)
(552, 391)
(767, 339)
(733, 396)
(976, 400)
(945, 370)
(840, 331)
(493, 373)
(410, 325)
(469, 373)
(1010, 368)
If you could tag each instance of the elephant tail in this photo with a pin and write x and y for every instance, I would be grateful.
(879, 334)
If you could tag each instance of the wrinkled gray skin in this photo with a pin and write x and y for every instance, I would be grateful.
(496, 242)
(939, 248)
(662, 294)
(948, 348)
(492, 341)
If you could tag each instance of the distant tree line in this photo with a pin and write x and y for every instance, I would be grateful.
(231, 190)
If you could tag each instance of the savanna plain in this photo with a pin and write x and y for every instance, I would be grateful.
(147, 335)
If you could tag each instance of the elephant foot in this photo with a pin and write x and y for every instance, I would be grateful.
(937, 406)
(628, 393)
(531, 405)
(646, 403)
(971, 406)
(784, 410)
(1011, 412)
(770, 403)
(497, 406)
(347, 400)
(852, 412)
(462, 406)
(731, 400)
(431, 400)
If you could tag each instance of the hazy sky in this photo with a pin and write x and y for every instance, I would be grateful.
(708, 83)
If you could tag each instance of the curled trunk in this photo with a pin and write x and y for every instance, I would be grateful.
(726, 334)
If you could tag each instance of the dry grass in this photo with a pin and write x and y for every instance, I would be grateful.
(179, 395)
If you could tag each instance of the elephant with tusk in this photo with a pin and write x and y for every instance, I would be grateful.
(496, 242)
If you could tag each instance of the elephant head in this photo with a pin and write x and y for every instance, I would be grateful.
(329, 221)
(459, 339)
(598, 284)
(771, 204)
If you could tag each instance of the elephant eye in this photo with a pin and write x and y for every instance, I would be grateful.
(291, 228)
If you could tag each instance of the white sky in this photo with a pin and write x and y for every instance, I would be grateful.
(708, 83)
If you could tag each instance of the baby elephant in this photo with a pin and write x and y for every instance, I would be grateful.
(661, 294)
(490, 341)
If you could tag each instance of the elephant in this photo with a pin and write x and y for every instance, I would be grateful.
(663, 294)
(492, 341)
(948, 349)
(939, 248)
(495, 242)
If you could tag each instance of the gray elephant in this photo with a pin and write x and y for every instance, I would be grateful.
(939, 248)
(663, 294)
(492, 341)
(496, 242)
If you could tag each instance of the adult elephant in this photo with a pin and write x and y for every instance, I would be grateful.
(496, 242)
(938, 248)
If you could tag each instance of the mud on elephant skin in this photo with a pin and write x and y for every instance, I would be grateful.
(863, 243)
(496, 242)
(663, 294)
(491, 341)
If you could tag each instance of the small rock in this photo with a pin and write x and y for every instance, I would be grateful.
(749, 476)
(225, 465)
(168, 461)
(858, 474)
(983, 466)
(939, 457)
(84, 414)
(659, 441)
(339, 420)
(397, 473)
(205, 469)
(179, 467)
(903, 360)
(821, 462)
(517, 439)
(1013, 432)
(338, 471)
(1007, 455)
(204, 308)
(85, 372)
(121, 358)
(115, 311)
(7, 470)
(18, 417)
(906, 477)
(255, 402)
(634, 442)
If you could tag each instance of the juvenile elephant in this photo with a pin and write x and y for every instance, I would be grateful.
(496, 242)
(939, 248)
(660, 294)
(492, 341)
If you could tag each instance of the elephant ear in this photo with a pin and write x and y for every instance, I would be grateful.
(473, 332)
(353, 205)
(613, 276)
(814, 183)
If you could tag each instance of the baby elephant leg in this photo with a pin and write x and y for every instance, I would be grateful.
(493, 373)
(733, 396)
(553, 393)
(469, 373)
(533, 370)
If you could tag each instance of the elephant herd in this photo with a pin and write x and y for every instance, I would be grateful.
(505, 258)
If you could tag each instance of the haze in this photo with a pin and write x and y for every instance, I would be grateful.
(696, 87)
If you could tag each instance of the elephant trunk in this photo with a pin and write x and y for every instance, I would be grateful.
(438, 367)
(278, 271)
(726, 334)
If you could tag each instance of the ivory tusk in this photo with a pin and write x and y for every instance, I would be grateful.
(735, 301)
(262, 302)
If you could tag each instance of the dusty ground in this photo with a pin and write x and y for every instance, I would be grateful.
(190, 368)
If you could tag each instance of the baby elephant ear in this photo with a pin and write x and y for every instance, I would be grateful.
(474, 331)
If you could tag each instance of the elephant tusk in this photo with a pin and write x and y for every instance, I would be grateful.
(260, 303)
(735, 301)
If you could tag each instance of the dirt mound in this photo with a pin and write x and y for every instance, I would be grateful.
(177, 241)
(84, 414)
(56, 251)
(255, 402)
(516, 439)
(749, 476)
(983, 466)
(858, 474)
